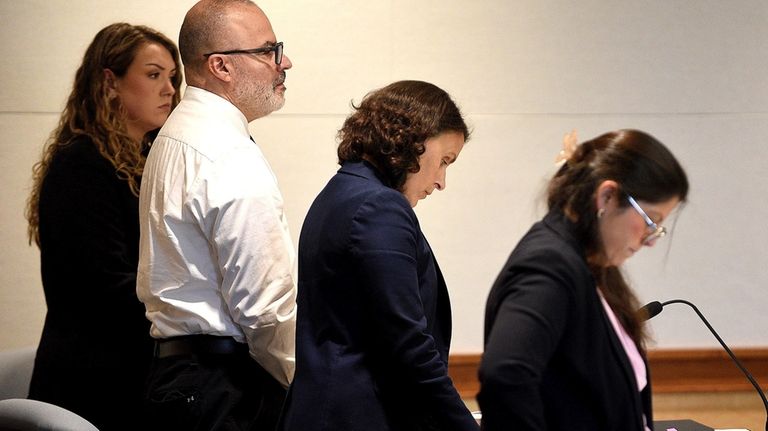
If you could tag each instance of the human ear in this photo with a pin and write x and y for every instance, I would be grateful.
(110, 83)
(219, 68)
(606, 194)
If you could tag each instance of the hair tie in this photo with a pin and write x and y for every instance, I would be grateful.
(570, 144)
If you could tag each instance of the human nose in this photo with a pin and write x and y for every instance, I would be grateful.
(285, 63)
(168, 89)
(440, 181)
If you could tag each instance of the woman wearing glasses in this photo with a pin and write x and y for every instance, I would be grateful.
(95, 349)
(564, 347)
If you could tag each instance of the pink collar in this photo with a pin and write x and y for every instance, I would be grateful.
(630, 348)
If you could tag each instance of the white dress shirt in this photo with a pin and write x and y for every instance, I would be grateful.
(215, 253)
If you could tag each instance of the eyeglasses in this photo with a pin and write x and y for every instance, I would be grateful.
(655, 230)
(276, 48)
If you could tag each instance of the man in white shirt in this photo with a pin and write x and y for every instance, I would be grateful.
(216, 263)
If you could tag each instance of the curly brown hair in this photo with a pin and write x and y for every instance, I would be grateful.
(90, 112)
(391, 124)
(645, 169)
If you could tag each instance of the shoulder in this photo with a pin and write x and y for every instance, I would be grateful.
(544, 257)
(384, 220)
(540, 240)
(545, 268)
(377, 201)
(207, 124)
(362, 199)
(77, 148)
(385, 203)
(79, 177)
(365, 208)
(218, 159)
(544, 249)
(356, 188)
(81, 155)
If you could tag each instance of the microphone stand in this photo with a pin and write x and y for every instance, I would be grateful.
(730, 353)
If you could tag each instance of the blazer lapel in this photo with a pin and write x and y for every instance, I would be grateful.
(559, 223)
(623, 359)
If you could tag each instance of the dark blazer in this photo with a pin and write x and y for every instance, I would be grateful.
(374, 319)
(95, 349)
(552, 360)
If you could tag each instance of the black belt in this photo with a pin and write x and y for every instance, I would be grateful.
(197, 345)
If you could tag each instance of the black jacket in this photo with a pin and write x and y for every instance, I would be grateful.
(552, 360)
(95, 349)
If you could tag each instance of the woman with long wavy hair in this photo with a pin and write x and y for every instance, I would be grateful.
(95, 349)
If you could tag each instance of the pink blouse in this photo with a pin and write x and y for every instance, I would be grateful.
(641, 375)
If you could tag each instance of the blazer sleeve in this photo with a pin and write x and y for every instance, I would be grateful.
(385, 236)
(532, 309)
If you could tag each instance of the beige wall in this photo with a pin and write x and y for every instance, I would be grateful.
(692, 72)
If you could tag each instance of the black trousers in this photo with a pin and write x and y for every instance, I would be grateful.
(208, 391)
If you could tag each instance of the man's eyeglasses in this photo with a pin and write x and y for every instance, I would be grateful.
(655, 231)
(276, 48)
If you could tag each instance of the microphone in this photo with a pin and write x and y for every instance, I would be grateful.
(652, 309)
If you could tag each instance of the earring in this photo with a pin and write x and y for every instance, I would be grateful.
(600, 212)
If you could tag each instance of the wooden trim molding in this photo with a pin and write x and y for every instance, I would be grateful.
(706, 370)
(672, 370)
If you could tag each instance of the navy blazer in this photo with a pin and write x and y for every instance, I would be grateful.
(552, 360)
(374, 319)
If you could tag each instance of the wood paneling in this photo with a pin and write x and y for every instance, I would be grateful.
(672, 371)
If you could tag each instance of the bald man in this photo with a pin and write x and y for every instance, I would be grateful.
(216, 261)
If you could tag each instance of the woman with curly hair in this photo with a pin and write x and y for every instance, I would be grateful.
(95, 350)
(374, 319)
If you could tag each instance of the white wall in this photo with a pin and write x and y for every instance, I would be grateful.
(694, 73)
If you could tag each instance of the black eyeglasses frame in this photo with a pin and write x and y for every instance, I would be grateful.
(276, 48)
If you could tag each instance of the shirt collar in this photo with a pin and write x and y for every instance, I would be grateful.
(219, 106)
